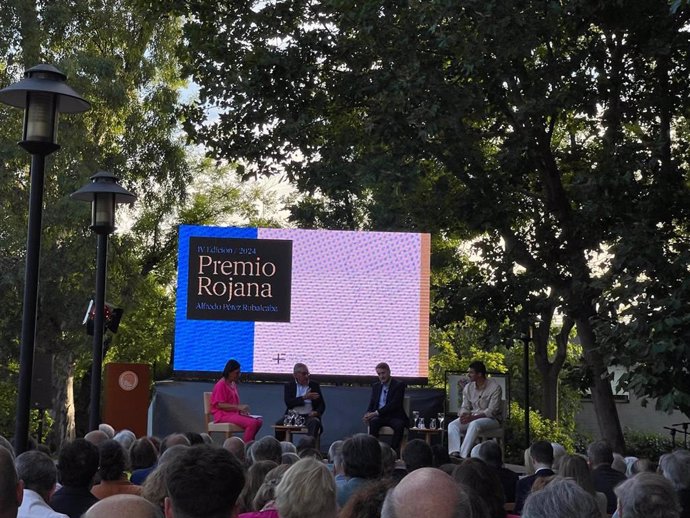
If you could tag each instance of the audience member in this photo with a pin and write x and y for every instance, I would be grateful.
(481, 480)
(142, 458)
(310, 452)
(39, 474)
(576, 467)
(112, 467)
(306, 442)
(107, 429)
(541, 456)
(126, 438)
(174, 439)
(96, 437)
(265, 496)
(619, 463)
(440, 455)
(561, 498)
(256, 475)
(11, 492)
(361, 464)
(490, 452)
(368, 500)
(203, 482)
(194, 438)
(154, 488)
(119, 506)
(77, 465)
(558, 453)
(417, 454)
(235, 445)
(307, 490)
(288, 447)
(642, 465)
(266, 448)
(4, 443)
(647, 495)
(605, 478)
(289, 458)
(675, 467)
(427, 493)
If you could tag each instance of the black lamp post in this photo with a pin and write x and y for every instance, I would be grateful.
(42, 94)
(104, 193)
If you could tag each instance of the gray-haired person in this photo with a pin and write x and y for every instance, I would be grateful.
(561, 498)
(647, 495)
(39, 474)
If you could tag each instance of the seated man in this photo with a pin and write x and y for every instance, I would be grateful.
(480, 411)
(541, 456)
(304, 397)
(604, 477)
(39, 474)
(77, 466)
(11, 493)
(386, 406)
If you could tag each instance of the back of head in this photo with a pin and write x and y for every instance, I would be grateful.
(235, 445)
(335, 454)
(96, 437)
(362, 456)
(194, 438)
(113, 460)
(307, 490)
(542, 452)
(174, 439)
(647, 495)
(267, 490)
(427, 493)
(9, 497)
(203, 482)
(38, 472)
(267, 448)
(576, 467)
(256, 474)
(367, 501)
(675, 467)
(77, 463)
(288, 447)
(440, 455)
(117, 506)
(289, 458)
(142, 454)
(388, 458)
(126, 438)
(599, 452)
(490, 452)
(417, 454)
(561, 498)
(481, 480)
(4, 443)
(107, 429)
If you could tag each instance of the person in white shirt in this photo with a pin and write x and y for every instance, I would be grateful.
(39, 474)
(480, 411)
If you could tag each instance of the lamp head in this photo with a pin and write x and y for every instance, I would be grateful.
(104, 193)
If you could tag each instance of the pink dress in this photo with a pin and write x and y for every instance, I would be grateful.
(224, 392)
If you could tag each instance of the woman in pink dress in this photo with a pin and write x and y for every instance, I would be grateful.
(225, 403)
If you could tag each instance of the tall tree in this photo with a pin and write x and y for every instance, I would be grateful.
(544, 129)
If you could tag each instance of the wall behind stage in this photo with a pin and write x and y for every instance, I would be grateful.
(177, 406)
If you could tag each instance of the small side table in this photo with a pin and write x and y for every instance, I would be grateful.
(429, 432)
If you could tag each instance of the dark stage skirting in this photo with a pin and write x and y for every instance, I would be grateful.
(177, 406)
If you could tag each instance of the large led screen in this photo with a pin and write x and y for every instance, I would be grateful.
(338, 301)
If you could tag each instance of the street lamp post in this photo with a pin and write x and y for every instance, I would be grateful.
(42, 94)
(104, 193)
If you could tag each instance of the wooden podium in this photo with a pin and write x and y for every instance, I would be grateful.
(127, 390)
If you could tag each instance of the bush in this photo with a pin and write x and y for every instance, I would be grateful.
(645, 445)
(541, 429)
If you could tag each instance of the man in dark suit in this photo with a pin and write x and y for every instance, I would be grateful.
(490, 452)
(304, 397)
(386, 406)
(541, 453)
(604, 477)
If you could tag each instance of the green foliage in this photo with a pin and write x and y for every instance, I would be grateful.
(644, 445)
(541, 429)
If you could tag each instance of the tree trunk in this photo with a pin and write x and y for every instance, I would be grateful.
(550, 370)
(602, 393)
(64, 428)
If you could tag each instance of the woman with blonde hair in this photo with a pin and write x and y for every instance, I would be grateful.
(307, 490)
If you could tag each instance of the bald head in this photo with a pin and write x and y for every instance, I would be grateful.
(96, 437)
(117, 506)
(426, 493)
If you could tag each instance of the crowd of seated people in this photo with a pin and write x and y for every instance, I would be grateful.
(185, 475)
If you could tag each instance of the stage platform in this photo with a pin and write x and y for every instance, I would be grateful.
(177, 406)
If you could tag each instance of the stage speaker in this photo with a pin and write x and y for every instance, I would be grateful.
(42, 380)
(127, 390)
